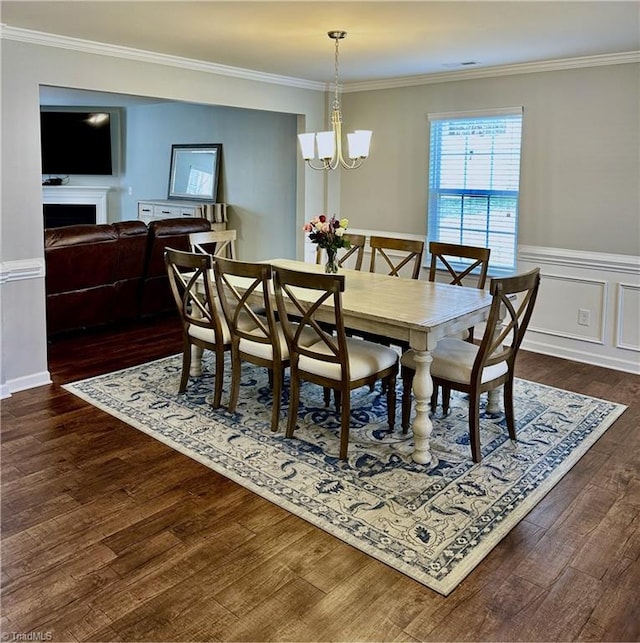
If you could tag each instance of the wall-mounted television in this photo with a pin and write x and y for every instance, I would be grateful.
(76, 142)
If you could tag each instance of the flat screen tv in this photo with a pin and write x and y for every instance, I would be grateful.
(74, 142)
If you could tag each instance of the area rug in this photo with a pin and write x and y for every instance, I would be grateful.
(433, 522)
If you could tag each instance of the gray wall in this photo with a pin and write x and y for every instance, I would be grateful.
(258, 172)
(580, 159)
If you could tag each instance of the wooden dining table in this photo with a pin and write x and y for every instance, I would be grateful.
(410, 310)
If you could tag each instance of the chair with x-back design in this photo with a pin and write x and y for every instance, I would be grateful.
(334, 360)
(396, 254)
(219, 243)
(203, 325)
(477, 368)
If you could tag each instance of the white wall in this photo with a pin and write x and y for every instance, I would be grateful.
(27, 66)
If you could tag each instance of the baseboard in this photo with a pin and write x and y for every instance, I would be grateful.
(605, 361)
(23, 383)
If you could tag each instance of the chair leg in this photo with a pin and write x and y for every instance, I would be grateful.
(345, 422)
(294, 402)
(277, 394)
(219, 380)
(327, 395)
(407, 383)
(474, 425)
(391, 401)
(236, 369)
(337, 399)
(434, 398)
(446, 398)
(186, 364)
(508, 407)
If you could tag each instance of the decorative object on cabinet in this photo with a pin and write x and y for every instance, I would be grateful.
(215, 213)
(194, 171)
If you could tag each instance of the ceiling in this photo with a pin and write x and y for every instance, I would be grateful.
(386, 40)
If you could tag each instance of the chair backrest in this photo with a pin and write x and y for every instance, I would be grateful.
(302, 294)
(349, 256)
(442, 254)
(244, 287)
(410, 250)
(197, 304)
(513, 301)
(221, 243)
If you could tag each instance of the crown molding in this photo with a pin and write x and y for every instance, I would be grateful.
(490, 72)
(117, 51)
(105, 49)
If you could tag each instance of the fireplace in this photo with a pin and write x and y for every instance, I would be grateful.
(65, 205)
(58, 215)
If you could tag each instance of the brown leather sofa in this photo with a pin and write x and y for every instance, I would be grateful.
(107, 273)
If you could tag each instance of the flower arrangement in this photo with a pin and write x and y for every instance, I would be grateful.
(328, 233)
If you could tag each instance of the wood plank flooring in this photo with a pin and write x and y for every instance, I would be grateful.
(109, 535)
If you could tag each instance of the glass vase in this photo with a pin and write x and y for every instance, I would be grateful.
(331, 267)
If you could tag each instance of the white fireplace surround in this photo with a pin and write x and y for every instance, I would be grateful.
(78, 195)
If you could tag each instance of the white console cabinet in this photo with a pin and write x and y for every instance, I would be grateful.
(216, 213)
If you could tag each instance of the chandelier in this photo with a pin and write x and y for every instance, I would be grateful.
(329, 144)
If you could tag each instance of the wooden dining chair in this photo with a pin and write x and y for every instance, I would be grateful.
(458, 262)
(349, 257)
(219, 243)
(256, 337)
(333, 361)
(396, 254)
(477, 368)
(203, 324)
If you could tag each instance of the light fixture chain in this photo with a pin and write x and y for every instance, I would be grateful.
(336, 101)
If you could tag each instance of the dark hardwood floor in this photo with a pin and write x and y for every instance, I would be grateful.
(109, 535)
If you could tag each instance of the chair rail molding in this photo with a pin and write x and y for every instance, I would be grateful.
(22, 269)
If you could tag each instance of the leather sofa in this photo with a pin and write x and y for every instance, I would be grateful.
(107, 273)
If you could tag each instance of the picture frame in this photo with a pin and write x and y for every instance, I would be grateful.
(194, 172)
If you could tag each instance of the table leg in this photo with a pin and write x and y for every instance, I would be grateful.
(196, 361)
(493, 402)
(422, 389)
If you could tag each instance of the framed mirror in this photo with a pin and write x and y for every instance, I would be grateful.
(194, 171)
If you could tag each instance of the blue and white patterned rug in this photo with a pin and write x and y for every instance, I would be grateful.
(433, 522)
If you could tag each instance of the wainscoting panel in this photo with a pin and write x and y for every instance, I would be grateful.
(628, 328)
(588, 309)
(582, 313)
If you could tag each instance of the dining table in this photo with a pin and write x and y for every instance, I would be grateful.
(412, 311)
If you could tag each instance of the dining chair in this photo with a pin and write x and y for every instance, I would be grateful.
(256, 337)
(350, 257)
(333, 361)
(219, 243)
(477, 368)
(203, 324)
(396, 254)
(458, 262)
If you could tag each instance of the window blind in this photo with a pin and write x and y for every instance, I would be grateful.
(474, 182)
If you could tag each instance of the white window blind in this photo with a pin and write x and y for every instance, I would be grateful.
(474, 182)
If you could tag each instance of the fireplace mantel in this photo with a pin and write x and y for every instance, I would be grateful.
(78, 195)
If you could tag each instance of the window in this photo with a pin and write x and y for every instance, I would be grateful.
(474, 180)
